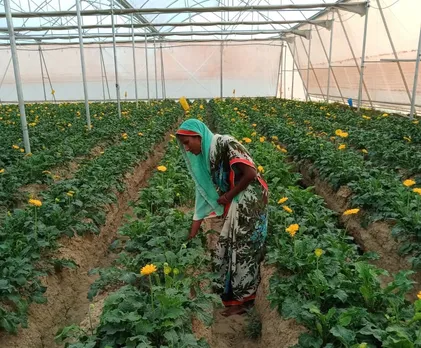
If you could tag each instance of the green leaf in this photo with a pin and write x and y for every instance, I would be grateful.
(308, 341)
(344, 335)
(345, 319)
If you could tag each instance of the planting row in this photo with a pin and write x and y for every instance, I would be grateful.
(58, 134)
(163, 280)
(396, 127)
(374, 136)
(323, 281)
(76, 205)
(380, 192)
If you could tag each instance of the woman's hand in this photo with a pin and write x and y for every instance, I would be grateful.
(248, 174)
(194, 229)
(224, 199)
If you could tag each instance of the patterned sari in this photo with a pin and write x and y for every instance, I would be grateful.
(240, 246)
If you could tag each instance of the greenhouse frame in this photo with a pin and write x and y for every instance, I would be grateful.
(210, 173)
(343, 51)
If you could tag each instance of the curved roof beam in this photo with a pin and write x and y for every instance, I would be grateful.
(354, 7)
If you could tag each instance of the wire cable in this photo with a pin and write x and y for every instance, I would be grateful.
(384, 8)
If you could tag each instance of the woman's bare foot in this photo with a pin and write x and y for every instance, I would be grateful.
(234, 310)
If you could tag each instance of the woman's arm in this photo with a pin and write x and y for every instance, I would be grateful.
(248, 174)
(194, 228)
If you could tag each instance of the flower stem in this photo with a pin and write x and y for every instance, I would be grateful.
(36, 224)
(150, 283)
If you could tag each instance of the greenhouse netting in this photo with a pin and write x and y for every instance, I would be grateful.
(165, 49)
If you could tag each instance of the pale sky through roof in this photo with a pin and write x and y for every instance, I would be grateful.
(56, 5)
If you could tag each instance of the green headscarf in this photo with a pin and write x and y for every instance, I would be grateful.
(199, 168)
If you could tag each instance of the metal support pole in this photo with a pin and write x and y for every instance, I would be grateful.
(417, 69)
(330, 57)
(117, 86)
(164, 94)
(48, 76)
(156, 69)
(147, 67)
(102, 72)
(354, 57)
(308, 66)
(285, 73)
(279, 76)
(82, 62)
(134, 66)
(105, 73)
(393, 49)
(314, 72)
(331, 70)
(18, 81)
(298, 67)
(5, 72)
(360, 86)
(221, 82)
(42, 73)
(293, 71)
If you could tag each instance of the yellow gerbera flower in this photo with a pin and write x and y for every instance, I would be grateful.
(417, 190)
(35, 202)
(247, 140)
(351, 211)
(2, 171)
(364, 151)
(409, 182)
(318, 252)
(70, 193)
(366, 117)
(292, 229)
(162, 168)
(342, 147)
(261, 169)
(282, 200)
(254, 125)
(253, 134)
(274, 137)
(141, 134)
(385, 115)
(419, 295)
(201, 107)
(287, 209)
(148, 269)
(16, 147)
(262, 139)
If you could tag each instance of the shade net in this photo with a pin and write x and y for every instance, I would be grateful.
(174, 70)
(386, 84)
(251, 68)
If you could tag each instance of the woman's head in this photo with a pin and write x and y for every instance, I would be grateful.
(191, 143)
(195, 136)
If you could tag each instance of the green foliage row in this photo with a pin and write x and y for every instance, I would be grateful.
(323, 281)
(58, 135)
(388, 141)
(154, 310)
(378, 191)
(75, 205)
